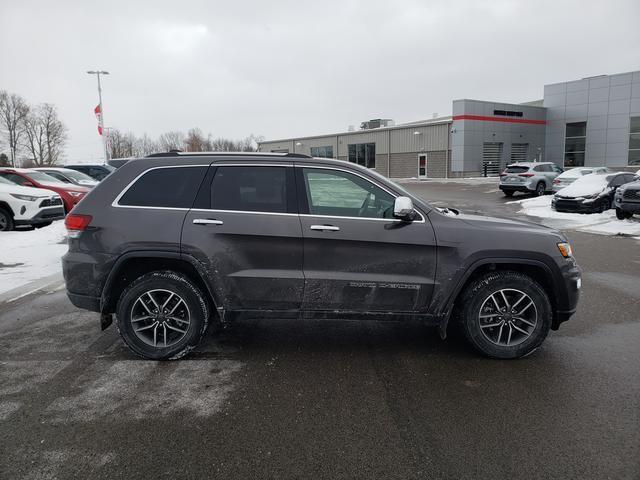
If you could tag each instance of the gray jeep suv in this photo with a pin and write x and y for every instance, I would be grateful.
(172, 242)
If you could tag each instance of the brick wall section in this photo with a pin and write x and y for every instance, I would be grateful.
(405, 165)
(437, 164)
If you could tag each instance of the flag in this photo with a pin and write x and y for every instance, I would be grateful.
(98, 113)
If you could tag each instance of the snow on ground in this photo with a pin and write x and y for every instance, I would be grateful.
(28, 255)
(603, 223)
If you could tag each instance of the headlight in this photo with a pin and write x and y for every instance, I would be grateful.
(76, 194)
(565, 249)
(27, 198)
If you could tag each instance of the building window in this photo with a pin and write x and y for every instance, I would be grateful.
(574, 144)
(363, 154)
(634, 141)
(507, 113)
(322, 152)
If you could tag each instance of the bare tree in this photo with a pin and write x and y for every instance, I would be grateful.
(45, 135)
(13, 110)
(195, 141)
(120, 144)
(171, 141)
(144, 146)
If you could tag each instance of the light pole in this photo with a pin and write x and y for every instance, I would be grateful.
(104, 138)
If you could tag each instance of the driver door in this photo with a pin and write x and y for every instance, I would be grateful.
(357, 257)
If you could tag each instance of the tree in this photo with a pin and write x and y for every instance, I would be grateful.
(195, 141)
(144, 146)
(44, 135)
(4, 160)
(120, 145)
(171, 141)
(13, 111)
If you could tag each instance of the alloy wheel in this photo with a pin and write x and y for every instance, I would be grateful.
(160, 318)
(508, 317)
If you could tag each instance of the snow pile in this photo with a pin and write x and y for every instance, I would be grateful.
(604, 223)
(29, 255)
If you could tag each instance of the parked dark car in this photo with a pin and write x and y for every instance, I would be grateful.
(172, 242)
(592, 193)
(96, 171)
(627, 200)
(70, 194)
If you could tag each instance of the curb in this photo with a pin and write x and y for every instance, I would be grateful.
(32, 287)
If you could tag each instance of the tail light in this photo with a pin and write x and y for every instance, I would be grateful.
(503, 174)
(556, 182)
(76, 224)
(528, 174)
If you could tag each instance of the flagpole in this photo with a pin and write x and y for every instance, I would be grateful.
(102, 129)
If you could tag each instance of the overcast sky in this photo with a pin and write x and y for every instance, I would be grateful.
(287, 68)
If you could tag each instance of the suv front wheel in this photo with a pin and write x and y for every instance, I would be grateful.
(505, 314)
(162, 315)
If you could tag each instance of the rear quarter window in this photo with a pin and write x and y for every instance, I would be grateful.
(173, 187)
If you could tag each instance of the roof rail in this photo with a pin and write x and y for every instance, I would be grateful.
(297, 155)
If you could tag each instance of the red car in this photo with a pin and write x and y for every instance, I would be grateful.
(71, 194)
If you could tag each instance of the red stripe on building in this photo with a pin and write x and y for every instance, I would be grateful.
(499, 119)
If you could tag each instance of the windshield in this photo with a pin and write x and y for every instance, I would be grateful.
(6, 182)
(78, 177)
(587, 185)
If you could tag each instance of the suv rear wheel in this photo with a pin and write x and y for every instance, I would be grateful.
(622, 215)
(162, 315)
(505, 314)
(541, 188)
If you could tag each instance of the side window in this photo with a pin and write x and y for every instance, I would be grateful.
(251, 189)
(14, 178)
(338, 193)
(557, 169)
(618, 180)
(539, 168)
(97, 173)
(165, 187)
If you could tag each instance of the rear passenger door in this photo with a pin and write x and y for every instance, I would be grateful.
(245, 229)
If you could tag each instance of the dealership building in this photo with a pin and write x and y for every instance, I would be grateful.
(589, 122)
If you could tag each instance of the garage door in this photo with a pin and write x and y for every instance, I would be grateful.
(491, 158)
(519, 152)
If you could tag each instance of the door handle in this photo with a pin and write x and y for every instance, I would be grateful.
(329, 228)
(207, 221)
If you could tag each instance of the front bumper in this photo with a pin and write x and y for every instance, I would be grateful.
(568, 293)
(574, 206)
(45, 215)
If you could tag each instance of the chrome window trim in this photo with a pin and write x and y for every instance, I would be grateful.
(116, 201)
(284, 214)
(422, 217)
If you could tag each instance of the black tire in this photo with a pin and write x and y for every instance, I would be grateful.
(479, 292)
(605, 205)
(541, 188)
(6, 221)
(507, 193)
(622, 215)
(166, 281)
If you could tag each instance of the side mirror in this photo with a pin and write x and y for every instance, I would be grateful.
(403, 208)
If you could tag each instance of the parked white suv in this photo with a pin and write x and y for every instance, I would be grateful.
(27, 206)
(529, 177)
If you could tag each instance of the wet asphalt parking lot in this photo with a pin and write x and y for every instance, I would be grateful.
(331, 399)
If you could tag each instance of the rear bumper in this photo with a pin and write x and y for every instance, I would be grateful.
(516, 188)
(85, 302)
(43, 216)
